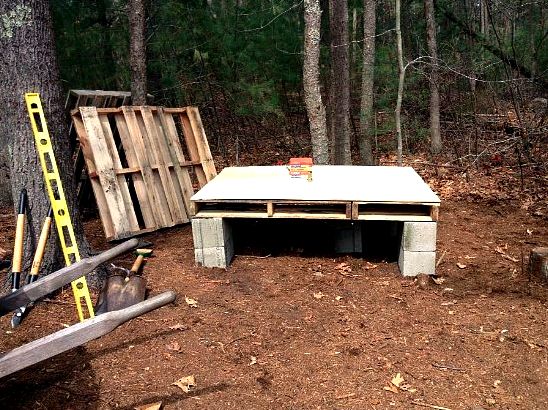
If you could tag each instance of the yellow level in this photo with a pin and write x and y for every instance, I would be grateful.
(57, 199)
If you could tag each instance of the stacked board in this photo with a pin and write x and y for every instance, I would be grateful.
(144, 164)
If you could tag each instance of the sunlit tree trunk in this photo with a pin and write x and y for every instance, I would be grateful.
(311, 82)
(137, 51)
(435, 137)
(340, 80)
(401, 71)
(368, 81)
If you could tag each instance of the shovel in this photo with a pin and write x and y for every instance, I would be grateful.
(124, 290)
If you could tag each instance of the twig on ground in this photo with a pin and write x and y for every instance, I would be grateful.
(418, 403)
(253, 256)
(448, 367)
(441, 258)
(345, 396)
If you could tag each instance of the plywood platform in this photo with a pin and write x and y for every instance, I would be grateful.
(335, 192)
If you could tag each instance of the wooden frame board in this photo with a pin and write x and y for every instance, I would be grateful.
(141, 162)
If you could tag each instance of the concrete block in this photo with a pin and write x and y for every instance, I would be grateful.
(349, 239)
(419, 236)
(216, 257)
(413, 263)
(210, 232)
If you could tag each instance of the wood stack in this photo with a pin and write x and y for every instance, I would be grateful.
(144, 164)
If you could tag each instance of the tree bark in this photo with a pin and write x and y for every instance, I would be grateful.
(311, 82)
(29, 64)
(137, 51)
(435, 137)
(368, 81)
(401, 71)
(340, 80)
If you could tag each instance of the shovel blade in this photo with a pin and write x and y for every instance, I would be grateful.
(121, 292)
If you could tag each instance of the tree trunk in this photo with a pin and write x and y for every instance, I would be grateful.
(368, 81)
(311, 82)
(137, 51)
(29, 64)
(401, 71)
(435, 137)
(340, 80)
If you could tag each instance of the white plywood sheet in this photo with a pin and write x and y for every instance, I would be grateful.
(329, 183)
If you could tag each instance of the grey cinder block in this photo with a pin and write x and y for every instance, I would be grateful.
(349, 239)
(419, 236)
(216, 257)
(210, 232)
(413, 263)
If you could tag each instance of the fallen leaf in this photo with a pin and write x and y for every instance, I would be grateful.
(174, 346)
(438, 281)
(253, 360)
(529, 231)
(461, 265)
(344, 267)
(497, 383)
(191, 302)
(369, 265)
(153, 406)
(338, 297)
(319, 295)
(397, 380)
(178, 326)
(186, 384)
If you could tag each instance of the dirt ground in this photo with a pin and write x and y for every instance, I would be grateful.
(294, 329)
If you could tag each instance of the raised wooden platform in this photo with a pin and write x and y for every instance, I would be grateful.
(335, 192)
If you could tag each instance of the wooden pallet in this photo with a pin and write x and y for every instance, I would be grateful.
(371, 211)
(87, 98)
(144, 164)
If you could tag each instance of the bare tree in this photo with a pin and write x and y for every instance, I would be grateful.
(340, 81)
(28, 64)
(311, 82)
(368, 80)
(401, 71)
(137, 51)
(435, 137)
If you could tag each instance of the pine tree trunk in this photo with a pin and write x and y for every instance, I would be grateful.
(401, 71)
(137, 51)
(435, 137)
(368, 81)
(340, 80)
(29, 64)
(311, 82)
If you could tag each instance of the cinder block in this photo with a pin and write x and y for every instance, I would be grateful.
(413, 263)
(216, 257)
(349, 239)
(419, 236)
(210, 232)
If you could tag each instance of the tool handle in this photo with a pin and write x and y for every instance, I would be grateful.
(137, 264)
(41, 247)
(19, 237)
(64, 276)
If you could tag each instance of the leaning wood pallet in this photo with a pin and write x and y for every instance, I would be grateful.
(87, 98)
(144, 164)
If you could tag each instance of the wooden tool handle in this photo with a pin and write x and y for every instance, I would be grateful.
(137, 264)
(17, 262)
(76, 335)
(64, 276)
(41, 247)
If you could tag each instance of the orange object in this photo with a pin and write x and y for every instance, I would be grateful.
(300, 168)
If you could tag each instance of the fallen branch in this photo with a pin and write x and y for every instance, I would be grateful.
(417, 403)
(448, 367)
